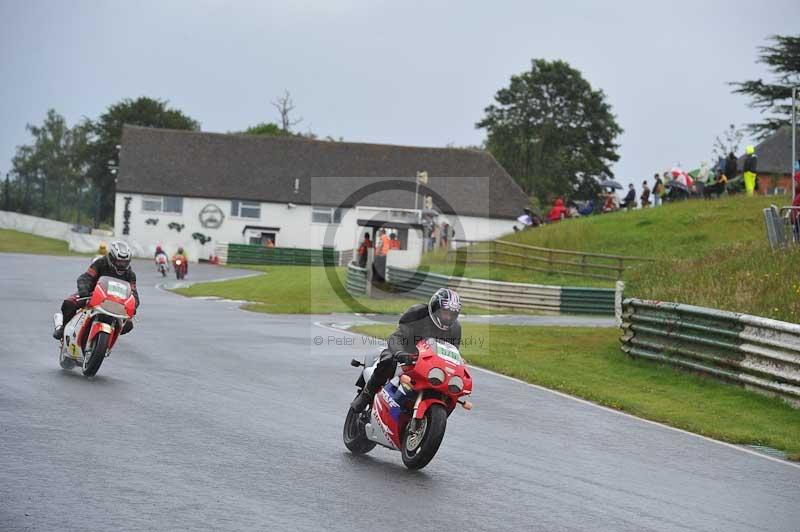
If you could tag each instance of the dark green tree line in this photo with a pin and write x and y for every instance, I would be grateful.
(68, 173)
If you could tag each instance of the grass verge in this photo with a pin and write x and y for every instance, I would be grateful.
(588, 363)
(17, 242)
(294, 290)
(306, 290)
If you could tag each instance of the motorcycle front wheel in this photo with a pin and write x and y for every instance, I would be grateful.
(420, 446)
(355, 435)
(91, 364)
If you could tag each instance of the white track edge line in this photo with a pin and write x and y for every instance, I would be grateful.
(607, 409)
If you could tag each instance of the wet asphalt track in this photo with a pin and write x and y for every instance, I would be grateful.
(210, 418)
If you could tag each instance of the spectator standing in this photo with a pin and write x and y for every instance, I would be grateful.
(730, 169)
(558, 212)
(749, 170)
(393, 242)
(795, 215)
(645, 195)
(629, 201)
(382, 246)
(445, 234)
(363, 250)
(270, 243)
(658, 188)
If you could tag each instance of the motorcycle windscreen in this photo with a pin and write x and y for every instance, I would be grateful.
(115, 288)
(116, 291)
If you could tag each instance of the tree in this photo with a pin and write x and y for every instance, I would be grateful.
(107, 135)
(285, 106)
(552, 131)
(268, 129)
(783, 60)
(728, 142)
(49, 172)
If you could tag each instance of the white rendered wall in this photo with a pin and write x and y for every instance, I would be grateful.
(296, 228)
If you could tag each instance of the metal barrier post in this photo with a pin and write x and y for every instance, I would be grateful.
(618, 293)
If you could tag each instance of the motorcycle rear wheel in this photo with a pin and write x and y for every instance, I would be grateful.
(92, 363)
(354, 434)
(419, 447)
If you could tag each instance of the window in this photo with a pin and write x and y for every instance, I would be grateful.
(165, 204)
(245, 209)
(326, 215)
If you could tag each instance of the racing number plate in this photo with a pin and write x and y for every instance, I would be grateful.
(117, 289)
(448, 351)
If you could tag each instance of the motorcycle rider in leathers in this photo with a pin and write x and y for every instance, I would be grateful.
(439, 320)
(117, 264)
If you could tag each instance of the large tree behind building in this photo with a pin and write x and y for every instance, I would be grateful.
(552, 131)
(107, 134)
(774, 97)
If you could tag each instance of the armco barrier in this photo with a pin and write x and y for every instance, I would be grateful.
(497, 294)
(356, 281)
(252, 254)
(756, 352)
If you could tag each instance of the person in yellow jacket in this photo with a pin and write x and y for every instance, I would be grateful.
(749, 170)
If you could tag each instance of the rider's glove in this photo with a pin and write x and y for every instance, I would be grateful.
(405, 358)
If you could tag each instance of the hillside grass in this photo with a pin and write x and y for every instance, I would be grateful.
(17, 242)
(709, 253)
(588, 363)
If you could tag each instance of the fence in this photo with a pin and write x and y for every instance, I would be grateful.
(547, 260)
(780, 231)
(497, 294)
(759, 353)
(252, 254)
(356, 281)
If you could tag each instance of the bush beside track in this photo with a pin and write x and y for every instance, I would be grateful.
(587, 363)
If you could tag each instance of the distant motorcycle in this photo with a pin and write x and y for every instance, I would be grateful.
(410, 412)
(90, 335)
(179, 262)
(162, 264)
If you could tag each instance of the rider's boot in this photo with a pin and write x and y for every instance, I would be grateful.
(58, 323)
(362, 400)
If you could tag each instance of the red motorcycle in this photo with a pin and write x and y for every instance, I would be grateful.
(180, 265)
(410, 412)
(90, 335)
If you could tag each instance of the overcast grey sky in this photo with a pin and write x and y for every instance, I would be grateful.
(415, 73)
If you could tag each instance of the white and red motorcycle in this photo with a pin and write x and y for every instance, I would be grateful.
(162, 264)
(93, 331)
